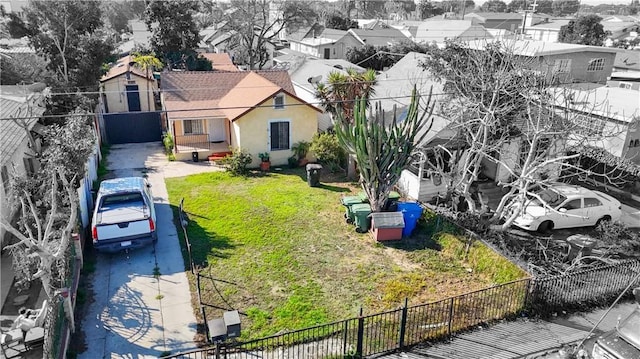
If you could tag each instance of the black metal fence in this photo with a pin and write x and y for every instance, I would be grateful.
(584, 289)
(368, 335)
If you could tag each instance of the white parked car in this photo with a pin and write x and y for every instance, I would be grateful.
(567, 206)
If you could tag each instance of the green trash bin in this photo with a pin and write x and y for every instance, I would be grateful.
(391, 205)
(347, 202)
(361, 217)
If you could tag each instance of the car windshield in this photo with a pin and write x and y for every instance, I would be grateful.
(550, 197)
(629, 329)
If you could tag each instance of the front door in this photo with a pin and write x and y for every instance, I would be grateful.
(216, 130)
(133, 97)
(327, 53)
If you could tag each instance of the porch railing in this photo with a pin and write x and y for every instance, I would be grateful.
(189, 143)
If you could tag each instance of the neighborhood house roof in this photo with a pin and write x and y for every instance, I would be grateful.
(608, 102)
(220, 62)
(395, 85)
(202, 94)
(13, 103)
(122, 66)
(439, 30)
(542, 48)
(379, 37)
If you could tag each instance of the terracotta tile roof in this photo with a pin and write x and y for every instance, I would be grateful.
(121, 67)
(220, 62)
(217, 94)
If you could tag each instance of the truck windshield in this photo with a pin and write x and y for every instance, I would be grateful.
(629, 329)
(121, 199)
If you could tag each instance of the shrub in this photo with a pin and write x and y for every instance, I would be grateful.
(616, 236)
(237, 162)
(328, 151)
(167, 140)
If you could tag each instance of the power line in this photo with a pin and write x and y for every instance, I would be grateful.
(216, 108)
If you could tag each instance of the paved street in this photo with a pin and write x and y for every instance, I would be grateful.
(135, 313)
(522, 338)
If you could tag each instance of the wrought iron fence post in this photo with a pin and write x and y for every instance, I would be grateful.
(345, 337)
(450, 316)
(403, 323)
(360, 335)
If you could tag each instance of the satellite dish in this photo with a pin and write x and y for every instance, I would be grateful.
(314, 80)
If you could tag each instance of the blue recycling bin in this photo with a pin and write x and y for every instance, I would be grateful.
(411, 212)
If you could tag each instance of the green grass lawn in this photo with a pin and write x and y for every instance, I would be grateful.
(281, 252)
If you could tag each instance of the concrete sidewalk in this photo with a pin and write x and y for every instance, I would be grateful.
(522, 338)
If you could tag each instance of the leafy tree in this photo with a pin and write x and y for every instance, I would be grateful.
(398, 7)
(585, 30)
(254, 24)
(27, 69)
(455, 6)
(118, 13)
(305, 15)
(545, 7)
(15, 25)
(542, 6)
(565, 7)
(175, 34)
(337, 21)
(146, 63)
(517, 5)
(507, 101)
(380, 57)
(383, 149)
(427, 9)
(70, 35)
(494, 6)
(48, 204)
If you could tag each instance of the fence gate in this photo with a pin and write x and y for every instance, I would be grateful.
(133, 127)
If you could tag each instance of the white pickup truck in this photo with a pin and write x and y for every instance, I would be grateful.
(124, 216)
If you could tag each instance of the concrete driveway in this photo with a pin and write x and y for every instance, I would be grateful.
(141, 304)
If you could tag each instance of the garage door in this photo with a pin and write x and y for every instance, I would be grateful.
(132, 127)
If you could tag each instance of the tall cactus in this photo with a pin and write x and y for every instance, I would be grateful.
(383, 150)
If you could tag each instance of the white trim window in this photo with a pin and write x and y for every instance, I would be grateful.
(192, 127)
(562, 66)
(279, 135)
(596, 65)
(278, 102)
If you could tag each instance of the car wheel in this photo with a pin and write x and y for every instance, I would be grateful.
(603, 219)
(545, 227)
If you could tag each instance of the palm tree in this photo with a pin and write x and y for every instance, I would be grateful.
(340, 92)
(144, 63)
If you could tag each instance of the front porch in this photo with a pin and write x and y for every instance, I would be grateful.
(185, 145)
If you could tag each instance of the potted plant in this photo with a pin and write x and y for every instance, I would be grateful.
(265, 163)
(300, 150)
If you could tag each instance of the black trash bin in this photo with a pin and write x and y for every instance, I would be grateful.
(313, 174)
(194, 156)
